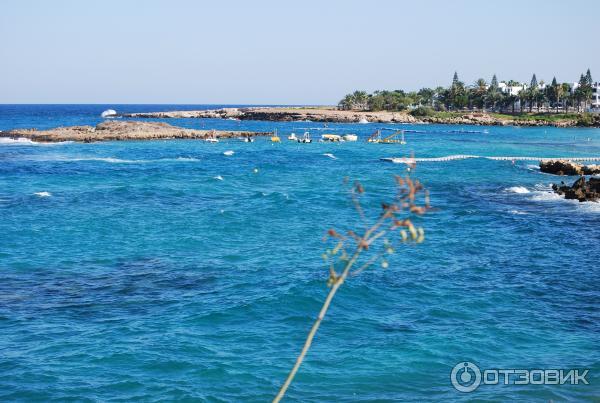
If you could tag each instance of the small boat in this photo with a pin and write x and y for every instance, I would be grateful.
(248, 139)
(305, 138)
(109, 113)
(350, 137)
(333, 138)
(292, 137)
(391, 139)
(211, 137)
(363, 121)
(275, 138)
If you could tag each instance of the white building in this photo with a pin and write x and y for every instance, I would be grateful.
(511, 89)
(595, 95)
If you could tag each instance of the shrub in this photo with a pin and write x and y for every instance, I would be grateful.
(422, 111)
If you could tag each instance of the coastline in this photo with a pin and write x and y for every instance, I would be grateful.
(333, 115)
(112, 130)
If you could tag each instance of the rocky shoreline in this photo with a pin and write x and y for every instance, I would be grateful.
(112, 130)
(325, 114)
(563, 167)
(582, 189)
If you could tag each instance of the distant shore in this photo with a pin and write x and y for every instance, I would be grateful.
(331, 114)
(122, 130)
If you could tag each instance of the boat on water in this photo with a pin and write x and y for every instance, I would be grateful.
(109, 113)
(391, 139)
(305, 138)
(292, 137)
(363, 121)
(247, 139)
(275, 138)
(350, 137)
(211, 137)
(332, 138)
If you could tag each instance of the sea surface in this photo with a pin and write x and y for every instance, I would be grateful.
(168, 270)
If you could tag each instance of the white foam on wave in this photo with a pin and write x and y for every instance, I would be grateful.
(228, 153)
(518, 189)
(545, 196)
(218, 177)
(187, 159)
(112, 160)
(333, 157)
(43, 194)
(533, 167)
(582, 207)
(518, 212)
(22, 141)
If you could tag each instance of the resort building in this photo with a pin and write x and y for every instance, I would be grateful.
(511, 89)
(595, 96)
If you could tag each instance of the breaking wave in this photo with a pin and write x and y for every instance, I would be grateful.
(517, 189)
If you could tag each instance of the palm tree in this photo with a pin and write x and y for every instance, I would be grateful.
(566, 89)
(479, 91)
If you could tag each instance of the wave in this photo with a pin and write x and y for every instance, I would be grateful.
(517, 189)
(518, 212)
(22, 141)
(228, 153)
(333, 157)
(549, 197)
(218, 177)
(546, 196)
(113, 160)
(43, 194)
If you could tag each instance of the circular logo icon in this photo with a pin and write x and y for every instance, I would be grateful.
(465, 377)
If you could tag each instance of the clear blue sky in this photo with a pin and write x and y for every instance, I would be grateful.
(283, 52)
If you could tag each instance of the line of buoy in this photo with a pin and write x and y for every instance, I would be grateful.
(403, 160)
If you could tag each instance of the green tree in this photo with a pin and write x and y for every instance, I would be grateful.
(479, 93)
(588, 78)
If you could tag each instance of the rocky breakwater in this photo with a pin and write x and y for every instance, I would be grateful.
(582, 190)
(223, 113)
(122, 130)
(285, 114)
(325, 115)
(564, 167)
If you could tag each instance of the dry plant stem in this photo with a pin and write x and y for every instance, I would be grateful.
(315, 326)
(334, 288)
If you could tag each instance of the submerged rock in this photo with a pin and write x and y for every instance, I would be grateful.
(581, 190)
(563, 167)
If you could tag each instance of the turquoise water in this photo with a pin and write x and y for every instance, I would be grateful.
(141, 275)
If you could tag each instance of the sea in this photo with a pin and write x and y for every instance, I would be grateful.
(181, 270)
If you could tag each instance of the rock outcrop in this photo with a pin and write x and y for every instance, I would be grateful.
(331, 114)
(122, 130)
(582, 190)
(563, 167)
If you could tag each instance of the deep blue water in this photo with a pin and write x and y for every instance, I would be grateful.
(143, 277)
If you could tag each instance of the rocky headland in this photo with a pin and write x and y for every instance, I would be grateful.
(330, 114)
(122, 130)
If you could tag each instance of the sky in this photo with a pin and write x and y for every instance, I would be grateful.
(282, 52)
